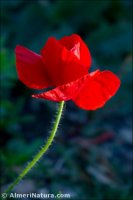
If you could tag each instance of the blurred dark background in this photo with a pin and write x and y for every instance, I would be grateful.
(91, 157)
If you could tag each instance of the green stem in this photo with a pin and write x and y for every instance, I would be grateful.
(41, 152)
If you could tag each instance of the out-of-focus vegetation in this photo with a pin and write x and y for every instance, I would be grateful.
(91, 157)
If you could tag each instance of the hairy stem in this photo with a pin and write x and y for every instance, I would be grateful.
(41, 152)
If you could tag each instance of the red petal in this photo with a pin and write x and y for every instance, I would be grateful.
(97, 90)
(62, 65)
(63, 92)
(78, 47)
(30, 68)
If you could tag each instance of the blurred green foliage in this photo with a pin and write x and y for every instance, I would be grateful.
(91, 157)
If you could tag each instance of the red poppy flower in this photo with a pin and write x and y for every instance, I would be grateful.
(64, 64)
